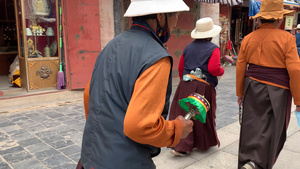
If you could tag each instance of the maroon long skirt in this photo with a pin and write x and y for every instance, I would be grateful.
(204, 135)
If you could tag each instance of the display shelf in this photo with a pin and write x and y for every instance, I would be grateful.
(38, 40)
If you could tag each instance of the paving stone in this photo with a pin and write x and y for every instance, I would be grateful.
(78, 126)
(42, 155)
(13, 115)
(17, 132)
(76, 137)
(11, 128)
(46, 133)
(8, 143)
(29, 142)
(54, 115)
(73, 149)
(53, 138)
(31, 163)
(67, 132)
(40, 118)
(6, 124)
(26, 123)
(11, 150)
(75, 157)
(32, 114)
(71, 122)
(61, 109)
(63, 119)
(17, 157)
(37, 128)
(38, 147)
(60, 128)
(61, 144)
(19, 119)
(57, 161)
(50, 124)
(3, 137)
(20, 137)
(66, 166)
(72, 114)
(4, 165)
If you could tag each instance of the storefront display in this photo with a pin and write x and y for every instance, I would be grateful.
(39, 57)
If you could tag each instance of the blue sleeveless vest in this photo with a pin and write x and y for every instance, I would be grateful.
(197, 55)
(116, 70)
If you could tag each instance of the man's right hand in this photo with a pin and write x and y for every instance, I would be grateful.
(187, 126)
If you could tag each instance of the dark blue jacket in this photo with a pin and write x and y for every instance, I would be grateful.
(197, 55)
(116, 70)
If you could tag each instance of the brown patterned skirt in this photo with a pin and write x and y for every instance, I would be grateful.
(204, 135)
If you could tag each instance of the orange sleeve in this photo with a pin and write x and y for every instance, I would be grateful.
(293, 66)
(143, 122)
(241, 67)
(86, 98)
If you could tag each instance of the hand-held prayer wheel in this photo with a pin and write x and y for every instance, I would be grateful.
(196, 107)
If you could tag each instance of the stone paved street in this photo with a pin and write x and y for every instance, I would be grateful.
(44, 137)
(50, 136)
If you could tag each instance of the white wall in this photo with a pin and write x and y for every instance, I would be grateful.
(106, 21)
(212, 11)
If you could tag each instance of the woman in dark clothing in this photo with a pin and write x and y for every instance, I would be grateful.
(198, 69)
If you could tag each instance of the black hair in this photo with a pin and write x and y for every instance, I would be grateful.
(152, 16)
(204, 39)
(144, 18)
(267, 20)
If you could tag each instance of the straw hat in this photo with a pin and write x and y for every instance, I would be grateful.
(147, 7)
(205, 28)
(272, 9)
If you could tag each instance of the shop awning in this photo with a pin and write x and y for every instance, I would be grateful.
(291, 3)
(226, 2)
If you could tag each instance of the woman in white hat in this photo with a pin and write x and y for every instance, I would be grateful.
(127, 99)
(198, 69)
(267, 77)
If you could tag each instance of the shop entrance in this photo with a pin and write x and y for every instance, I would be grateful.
(241, 25)
(8, 46)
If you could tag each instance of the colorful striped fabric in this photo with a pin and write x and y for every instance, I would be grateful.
(228, 2)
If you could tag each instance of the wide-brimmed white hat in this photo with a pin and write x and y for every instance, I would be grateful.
(147, 7)
(205, 28)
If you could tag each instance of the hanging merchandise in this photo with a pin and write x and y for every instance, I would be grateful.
(235, 55)
(254, 6)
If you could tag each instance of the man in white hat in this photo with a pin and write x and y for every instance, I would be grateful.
(267, 77)
(129, 93)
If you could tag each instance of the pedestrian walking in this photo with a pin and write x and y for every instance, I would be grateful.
(297, 35)
(198, 69)
(267, 77)
(129, 92)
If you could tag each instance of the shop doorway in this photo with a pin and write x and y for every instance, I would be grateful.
(8, 46)
(241, 25)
